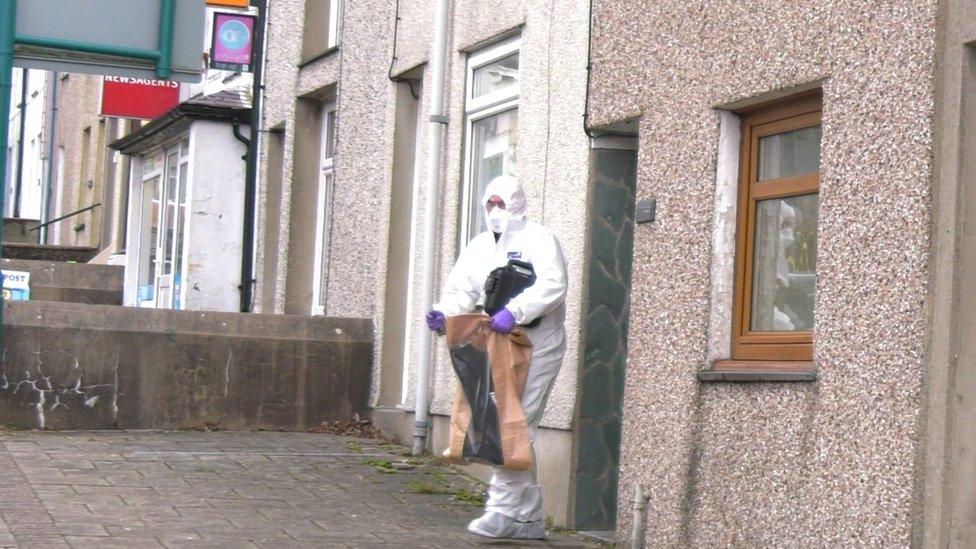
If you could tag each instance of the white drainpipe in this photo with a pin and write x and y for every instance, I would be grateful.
(436, 125)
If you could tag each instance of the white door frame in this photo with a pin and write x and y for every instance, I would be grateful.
(163, 282)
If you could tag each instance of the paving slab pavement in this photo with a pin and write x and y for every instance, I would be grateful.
(231, 489)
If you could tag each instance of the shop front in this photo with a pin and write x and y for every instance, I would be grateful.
(185, 214)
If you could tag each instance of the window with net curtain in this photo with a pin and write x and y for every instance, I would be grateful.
(491, 108)
(786, 236)
(776, 253)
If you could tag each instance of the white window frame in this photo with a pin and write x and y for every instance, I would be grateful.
(476, 109)
(483, 57)
(145, 244)
(163, 284)
(323, 212)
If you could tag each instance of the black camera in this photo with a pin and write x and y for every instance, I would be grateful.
(504, 283)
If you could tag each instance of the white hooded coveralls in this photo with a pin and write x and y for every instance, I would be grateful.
(515, 494)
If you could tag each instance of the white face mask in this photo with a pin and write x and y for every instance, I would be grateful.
(498, 220)
(785, 238)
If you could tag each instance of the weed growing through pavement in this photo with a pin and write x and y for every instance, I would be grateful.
(553, 529)
(470, 498)
(460, 495)
(439, 475)
(424, 488)
(381, 465)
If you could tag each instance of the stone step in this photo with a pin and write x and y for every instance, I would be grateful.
(71, 282)
(44, 252)
(19, 230)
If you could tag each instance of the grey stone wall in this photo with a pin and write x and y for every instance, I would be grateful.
(72, 366)
(946, 517)
(832, 463)
(603, 367)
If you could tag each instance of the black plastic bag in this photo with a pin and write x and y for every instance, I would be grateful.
(482, 441)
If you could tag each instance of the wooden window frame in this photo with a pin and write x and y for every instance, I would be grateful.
(758, 350)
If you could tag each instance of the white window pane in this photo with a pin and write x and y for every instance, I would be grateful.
(330, 132)
(152, 163)
(493, 144)
(323, 253)
(790, 153)
(180, 237)
(784, 264)
(495, 76)
(149, 232)
(172, 166)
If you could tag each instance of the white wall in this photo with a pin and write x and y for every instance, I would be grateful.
(133, 238)
(32, 178)
(215, 223)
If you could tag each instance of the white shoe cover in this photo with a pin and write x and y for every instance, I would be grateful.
(497, 525)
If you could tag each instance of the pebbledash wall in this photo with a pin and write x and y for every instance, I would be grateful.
(375, 206)
(877, 451)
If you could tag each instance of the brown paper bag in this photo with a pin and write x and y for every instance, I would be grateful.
(476, 434)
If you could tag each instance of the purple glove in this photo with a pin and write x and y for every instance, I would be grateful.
(435, 320)
(503, 321)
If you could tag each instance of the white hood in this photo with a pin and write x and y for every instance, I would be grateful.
(508, 189)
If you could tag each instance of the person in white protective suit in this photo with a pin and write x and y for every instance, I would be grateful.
(514, 506)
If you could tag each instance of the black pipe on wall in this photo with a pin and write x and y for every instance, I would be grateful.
(19, 183)
(251, 170)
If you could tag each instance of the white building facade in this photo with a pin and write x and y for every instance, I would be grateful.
(26, 144)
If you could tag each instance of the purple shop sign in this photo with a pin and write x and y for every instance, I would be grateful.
(232, 39)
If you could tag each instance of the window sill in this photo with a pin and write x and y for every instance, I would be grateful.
(312, 59)
(758, 370)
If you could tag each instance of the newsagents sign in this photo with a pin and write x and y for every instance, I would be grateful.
(142, 98)
(45, 29)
